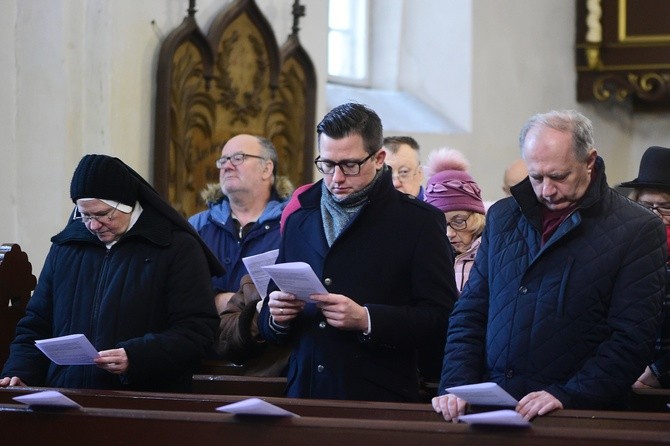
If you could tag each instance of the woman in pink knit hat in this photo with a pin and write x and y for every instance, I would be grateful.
(452, 190)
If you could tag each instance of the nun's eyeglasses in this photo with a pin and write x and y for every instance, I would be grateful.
(87, 218)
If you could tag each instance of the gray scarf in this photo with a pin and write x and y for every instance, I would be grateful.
(336, 214)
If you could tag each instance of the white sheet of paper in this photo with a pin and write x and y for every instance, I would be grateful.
(49, 398)
(484, 394)
(506, 417)
(255, 265)
(255, 406)
(296, 278)
(74, 349)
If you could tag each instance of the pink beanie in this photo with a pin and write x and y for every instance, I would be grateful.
(450, 187)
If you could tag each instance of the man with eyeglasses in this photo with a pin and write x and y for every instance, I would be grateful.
(129, 273)
(243, 219)
(563, 303)
(402, 156)
(651, 189)
(385, 260)
(244, 209)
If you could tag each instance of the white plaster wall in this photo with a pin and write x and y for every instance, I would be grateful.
(436, 58)
(8, 154)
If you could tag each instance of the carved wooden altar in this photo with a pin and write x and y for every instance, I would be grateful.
(233, 80)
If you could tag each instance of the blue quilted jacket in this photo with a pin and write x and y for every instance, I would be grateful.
(577, 316)
(217, 229)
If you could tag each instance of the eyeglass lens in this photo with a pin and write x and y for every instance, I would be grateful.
(663, 210)
(347, 167)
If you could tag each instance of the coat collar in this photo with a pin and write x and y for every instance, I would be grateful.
(311, 197)
(532, 209)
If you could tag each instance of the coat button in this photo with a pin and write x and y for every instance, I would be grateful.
(509, 373)
(523, 290)
(267, 227)
(320, 368)
(328, 281)
(322, 324)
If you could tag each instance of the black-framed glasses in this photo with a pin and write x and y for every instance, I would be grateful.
(87, 218)
(235, 159)
(663, 210)
(459, 223)
(348, 167)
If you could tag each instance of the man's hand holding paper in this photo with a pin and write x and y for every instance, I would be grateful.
(114, 361)
(342, 312)
(297, 282)
(284, 306)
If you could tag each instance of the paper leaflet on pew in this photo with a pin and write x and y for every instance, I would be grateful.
(255, 406)
(47, 398)
(505, 417)
(74, 349)
(296, 278)
(489, 394)
(484, 394)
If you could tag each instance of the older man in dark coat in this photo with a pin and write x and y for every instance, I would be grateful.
(564, 300)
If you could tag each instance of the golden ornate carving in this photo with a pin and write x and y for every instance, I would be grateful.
(192, 115)
(241, 98)
(647, 86)
(234, 81)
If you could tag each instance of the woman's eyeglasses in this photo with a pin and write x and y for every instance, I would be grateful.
(458, 223)
(662, 210)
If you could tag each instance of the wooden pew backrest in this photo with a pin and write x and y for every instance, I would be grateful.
(16, 285)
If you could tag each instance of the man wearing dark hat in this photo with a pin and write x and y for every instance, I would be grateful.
(129, 273)
(651, 189)
(563, 303)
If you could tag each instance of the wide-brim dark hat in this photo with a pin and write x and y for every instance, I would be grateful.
(654, 170)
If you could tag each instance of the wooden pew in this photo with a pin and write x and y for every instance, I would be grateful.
(131, 426)
(16, 284)
(644, 400)
(208, 403)
(225, 378)
(611, 420)
(650, 400)
(238, 385)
